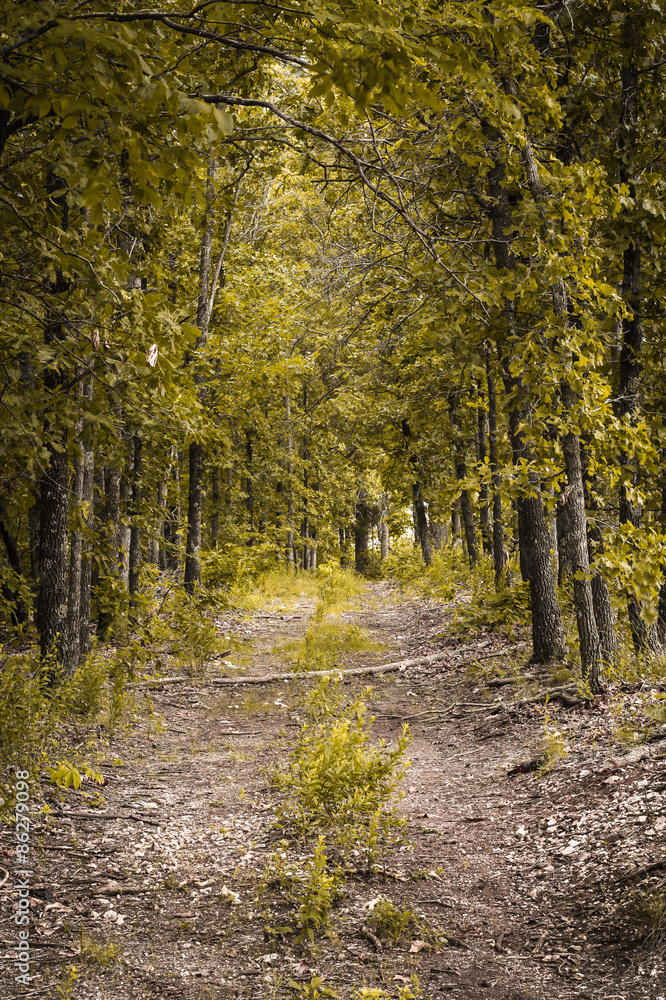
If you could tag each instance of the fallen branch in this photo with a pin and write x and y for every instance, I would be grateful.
(566, 692)
(502, 681)
(291, 676)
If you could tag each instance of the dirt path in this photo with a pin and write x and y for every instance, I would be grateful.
(520, 873)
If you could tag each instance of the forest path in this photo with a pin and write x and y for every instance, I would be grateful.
(164, 889)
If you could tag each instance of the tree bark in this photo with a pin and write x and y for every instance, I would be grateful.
(361, 532)
(135, 529)
(588, 635)
(215, 512)
(484, 512)
(87, 552)
(548, 635)
(500, 561)
(460, 467)
(73, 637)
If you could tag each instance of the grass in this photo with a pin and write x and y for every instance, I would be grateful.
(327, 643)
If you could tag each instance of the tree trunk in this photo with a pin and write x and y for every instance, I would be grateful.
(19, 610)
(484, 513)
(361, 532)
(34, 521)
(455, 522)
(588, 635)
(73, 637)
(383, 528)
(125, 529)
(421, 523)
(215, 512)
(461, 475)
(135, 530)
(499, 553)
(87, 553)
(567, 555)
(108, 565)
(172, 519)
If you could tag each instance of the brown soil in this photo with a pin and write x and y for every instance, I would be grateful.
(523, 874)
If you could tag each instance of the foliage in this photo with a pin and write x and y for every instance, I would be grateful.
(554, 746)
(389, 921)
(337, 782)
(327, 643)
(310, 887)
(188, 623)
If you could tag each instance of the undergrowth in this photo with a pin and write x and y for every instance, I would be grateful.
(46, 720)
(339, 783)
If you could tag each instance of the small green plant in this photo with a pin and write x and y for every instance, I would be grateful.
(324, 700)
(316, 989)
(320, 889)
(641, 915)
(338, 781)
(388, 921)
(93, 953)
(64, 991)
(553, 744)
(311, 887)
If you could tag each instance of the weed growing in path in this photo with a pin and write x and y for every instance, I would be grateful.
(338, 782)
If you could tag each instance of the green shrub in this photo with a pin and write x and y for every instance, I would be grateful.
(186, 622)
(338, 781)
(388, 921)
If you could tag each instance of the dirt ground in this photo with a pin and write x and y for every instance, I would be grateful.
(523, 874)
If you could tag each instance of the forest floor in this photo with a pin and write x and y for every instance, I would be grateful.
(539, 883)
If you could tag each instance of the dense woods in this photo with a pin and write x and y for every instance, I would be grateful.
(281, 282)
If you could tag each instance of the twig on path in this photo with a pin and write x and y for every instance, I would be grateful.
(369, 936)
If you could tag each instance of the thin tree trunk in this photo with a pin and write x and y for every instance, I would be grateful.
(215, 513)
(383, 528)
(588, 635)
(421, 522)
(455, 522)
(361, 532)
(548, 635)
(500, 561)
(208, 283)
(73, 637)
(19, 610)
(460, 467)
(290, 494)
(484, 512)
(108, 566)
(87, 552)
(135, 530)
